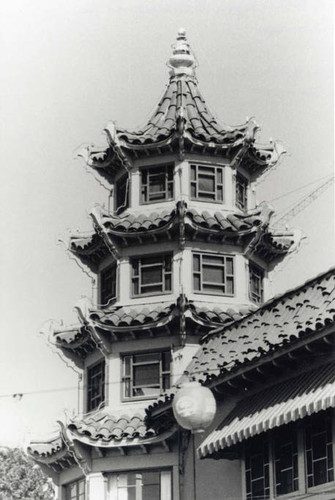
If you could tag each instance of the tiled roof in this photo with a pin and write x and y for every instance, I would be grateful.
(291, 400)
(113, 229)
(74, 339)
(116, 316)
(283, 320)
(142, 315)
(126, 321)
(102, 425)
(47, 448)
(230, 222)
(183, 99)
(219, 314)
(132, 223)
(182, 122)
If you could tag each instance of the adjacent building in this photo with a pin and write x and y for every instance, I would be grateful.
(182, 258)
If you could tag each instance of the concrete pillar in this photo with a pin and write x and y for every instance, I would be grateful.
(96, 485)
(58, 492)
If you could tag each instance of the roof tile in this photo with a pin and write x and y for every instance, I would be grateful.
(267, 331)
(103, 424)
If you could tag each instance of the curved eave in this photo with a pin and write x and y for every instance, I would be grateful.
(143, 231)
(125, 442)
(187, 136)
(53, 453)
(263, 156)
(222, 318)
(134, 326)
(106, 160)
(273, 246)
(244, 230)
(74, 341)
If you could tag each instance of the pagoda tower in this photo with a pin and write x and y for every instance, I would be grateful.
(182, 250)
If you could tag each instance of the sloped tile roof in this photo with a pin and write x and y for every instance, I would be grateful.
(103, 425)
(292, 399)
(281, 321)
(46, 448)
(182, 93)
(134, 223)
(132, 316)
(125, 316)
(130, 223)
(223, 222)
(220, 314)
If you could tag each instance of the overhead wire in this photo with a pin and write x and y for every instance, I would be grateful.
(19, 394)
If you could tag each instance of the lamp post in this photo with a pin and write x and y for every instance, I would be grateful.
(194, 408)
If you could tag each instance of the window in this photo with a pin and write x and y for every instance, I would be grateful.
(207, 183)
(151, 485)
(122, 194)
(95, 386)
(75, 490)
(146, 375)
(314, 449)
(108, 284)
(157, 184)
(256, 276)
(286, 460)
(319, 453)
(257, 469)
(241, 194)
(213, 273)
(152, 274)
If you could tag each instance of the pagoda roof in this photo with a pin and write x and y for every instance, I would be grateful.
(113, 231)
(182, 123)
(102, 428)
(141, 321)
(53, 452)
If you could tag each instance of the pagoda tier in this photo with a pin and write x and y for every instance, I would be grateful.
(182, 318)
(114, 232)
(182, 124)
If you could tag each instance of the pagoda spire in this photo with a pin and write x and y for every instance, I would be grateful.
(182, 61)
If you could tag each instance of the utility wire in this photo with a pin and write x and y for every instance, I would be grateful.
(301, 187)
(19, 395)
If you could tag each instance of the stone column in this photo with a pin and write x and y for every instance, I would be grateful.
(96, 485)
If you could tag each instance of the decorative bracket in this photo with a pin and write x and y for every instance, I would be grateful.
(98, 226)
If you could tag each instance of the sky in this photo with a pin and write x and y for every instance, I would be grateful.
(69, 67)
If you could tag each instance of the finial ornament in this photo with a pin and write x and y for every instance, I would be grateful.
(182, 60)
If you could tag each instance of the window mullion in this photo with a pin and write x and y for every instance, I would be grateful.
(272, 482)
(301, 461)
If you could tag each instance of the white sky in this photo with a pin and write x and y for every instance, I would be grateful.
(68, 67)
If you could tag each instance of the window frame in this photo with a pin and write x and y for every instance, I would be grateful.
(149, 171)
(113, 489)
(137, 276)
(218, 186)
(127, 379)
(254, 296)
(91, 403)
(199, 274)
(241, 180)
(78, 494)
(299, 428)
(106, 300)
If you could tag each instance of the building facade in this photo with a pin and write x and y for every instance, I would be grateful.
(182, 255)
